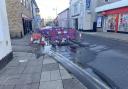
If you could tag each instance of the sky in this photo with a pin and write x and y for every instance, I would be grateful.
(48, 7)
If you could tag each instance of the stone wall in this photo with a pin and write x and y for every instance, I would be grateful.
(14, 11)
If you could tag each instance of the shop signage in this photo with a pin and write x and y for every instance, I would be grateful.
(88, 4)
(99, 21)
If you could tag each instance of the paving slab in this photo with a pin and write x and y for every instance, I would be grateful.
(6, 87)
(21, 55)
(72, 84)
(61, 67)
(27, 86)
(9, 79)
(33, 69)
(55, 75)
(36, 62)
(50, 75)
(50, 67)
(29, 78)
(48, 61)
(65, 74)
(46, 76)
(12, 70)
(17, 48)
(51, 85)
(13, 63)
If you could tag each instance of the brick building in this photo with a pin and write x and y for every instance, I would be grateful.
(20, 16)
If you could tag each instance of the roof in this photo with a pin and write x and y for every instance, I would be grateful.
(63, 11)
(115, 5)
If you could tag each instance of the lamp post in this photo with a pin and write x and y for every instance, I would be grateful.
(55, 9)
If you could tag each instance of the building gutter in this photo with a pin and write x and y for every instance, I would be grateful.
(115, 5)
(32, 8)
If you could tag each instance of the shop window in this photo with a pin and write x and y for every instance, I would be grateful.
(75, 8)
(123, 24)
(99, 21)
(111, 22)
(88, 4)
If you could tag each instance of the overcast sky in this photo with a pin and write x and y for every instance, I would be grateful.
(47, 7)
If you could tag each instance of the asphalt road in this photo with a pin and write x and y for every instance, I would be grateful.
(107, 57)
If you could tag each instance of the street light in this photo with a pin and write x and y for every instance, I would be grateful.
(55, 9)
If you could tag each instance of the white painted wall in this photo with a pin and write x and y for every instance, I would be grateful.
(75, 9)
(5, 43)
(63, 19)
(86, 18)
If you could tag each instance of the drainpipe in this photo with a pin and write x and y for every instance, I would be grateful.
(32, 13)
(32, 8)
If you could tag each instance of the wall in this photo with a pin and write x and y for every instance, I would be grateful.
(74, 13)
(63, 19)
(102, 2)
(86, 18)
(5, 43)
(15, 9)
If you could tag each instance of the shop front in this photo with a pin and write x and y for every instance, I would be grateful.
(115, 20)
(123, 24)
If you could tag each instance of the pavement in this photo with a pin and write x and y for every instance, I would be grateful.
(111, 35)
(26, 71)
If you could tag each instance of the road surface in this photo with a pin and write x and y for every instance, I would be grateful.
(106, 57)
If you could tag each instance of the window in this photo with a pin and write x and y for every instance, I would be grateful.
(123, 24)
(88, 4)
(107, 0)
(27, 4)
(75, 8)
(99, 21)
(24, 2)
(21, 1)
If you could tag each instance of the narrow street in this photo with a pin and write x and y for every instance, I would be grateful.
(64, 44)
(26, 71)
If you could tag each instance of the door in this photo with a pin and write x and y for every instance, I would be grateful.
(76, 23)
(105, 24)
(111, 23)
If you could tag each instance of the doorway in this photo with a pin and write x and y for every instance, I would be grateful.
(111, 23)
(27, 26)
(76, 23)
